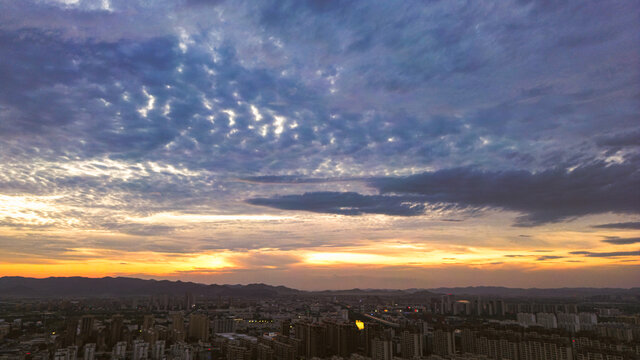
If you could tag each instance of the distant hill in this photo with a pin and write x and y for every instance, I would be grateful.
(373, 292)
(122, 286)
(499, 291)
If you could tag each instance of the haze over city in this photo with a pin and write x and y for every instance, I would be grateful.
(322, 144)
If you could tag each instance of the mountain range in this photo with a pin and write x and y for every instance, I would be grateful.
(124, 286)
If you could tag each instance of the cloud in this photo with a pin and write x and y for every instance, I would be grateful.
(266, 260)
(335, 91)
(292, 179)
(621, 225)
(140, 229)
(548, 257)
(621, 241)
(347, 203)
(606, 254)
(621, 140)
(547, 196)
(544, 197)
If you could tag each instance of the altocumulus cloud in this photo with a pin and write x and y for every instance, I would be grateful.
(224, 90)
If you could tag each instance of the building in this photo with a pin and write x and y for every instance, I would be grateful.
(199, 327)
(140, 350)
(189, 301)
(89, 351)
(148, 322)
(264, 352)
(547, 320)
(285, 327)
(119, 350)
(462, 307)
(381, 349)
(237, 352)
(115, 332)
(86, 327)
(341, 338)
(71, 331)
(468, 341)
(569, 322)
(588, 321)
(157, 351)
(443, 342)
(284, 349)
(224, 325)
(411, 345)
(526, 319)
(181, 351)
(545, 348)
(313, 339)
(69, 353)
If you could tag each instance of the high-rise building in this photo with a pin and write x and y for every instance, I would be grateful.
(285, 348)
(148, 322)
(176, 328)
(526, 319)
(264, 352)
(199, 327)
(478, 307)
(500, 309)
(411, 345)
(181, 351)
(571, 308)
(547, 320)
(569, 322)
(381, 349)
(89, 351)
(467, 341)
(368, 334)
(313, 339)
(224, 325)
(119, 351)
(157, 351)
(462, 307)
(140, 350)
(86, 327)
(443, 342)
(177, 320)
(588, 321)
(71, 331)
(236, 352)
(70, 353)
(115, 333)
(341, 338)
(285, 327)
(189, 301)
(539, 348)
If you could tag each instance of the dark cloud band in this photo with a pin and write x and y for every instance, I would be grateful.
(344, 203)
(544, 197)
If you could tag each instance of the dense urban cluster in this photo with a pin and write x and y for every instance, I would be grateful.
(190, 327)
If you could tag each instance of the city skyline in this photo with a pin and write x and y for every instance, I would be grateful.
(322, 145)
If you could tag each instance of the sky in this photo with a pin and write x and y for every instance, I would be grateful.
(322, 144)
